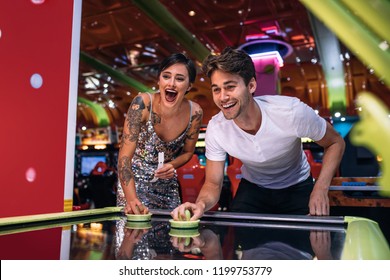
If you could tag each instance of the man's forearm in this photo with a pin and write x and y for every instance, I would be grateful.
(330, 163)
(208, 196)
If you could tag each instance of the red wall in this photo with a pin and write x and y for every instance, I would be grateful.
(34, 245)
(34, 38)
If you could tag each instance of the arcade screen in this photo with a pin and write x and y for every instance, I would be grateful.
(89, 162)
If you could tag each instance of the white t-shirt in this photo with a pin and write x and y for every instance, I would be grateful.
(273, 158)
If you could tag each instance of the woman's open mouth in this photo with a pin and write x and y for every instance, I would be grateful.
(170, 95)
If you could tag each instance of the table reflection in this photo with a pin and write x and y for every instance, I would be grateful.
(114, 238)
(213, 242)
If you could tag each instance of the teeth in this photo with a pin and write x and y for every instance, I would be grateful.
(228, 105)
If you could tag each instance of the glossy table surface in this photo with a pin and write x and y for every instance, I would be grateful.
(89, 235)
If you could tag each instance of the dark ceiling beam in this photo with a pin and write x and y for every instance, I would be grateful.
(163, 18)
(102, 118)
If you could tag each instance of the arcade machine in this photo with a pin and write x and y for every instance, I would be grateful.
(95, 169)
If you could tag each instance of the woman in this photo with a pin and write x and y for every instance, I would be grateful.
(164, 122)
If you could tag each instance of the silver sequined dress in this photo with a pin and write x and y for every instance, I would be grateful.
(164, 193)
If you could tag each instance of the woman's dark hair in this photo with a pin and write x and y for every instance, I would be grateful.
(232, 61)
(179, 58)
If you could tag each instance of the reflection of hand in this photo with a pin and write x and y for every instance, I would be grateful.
(320, 243)
(131, 237)
(208, 243)
(187, 244)
(134, 235)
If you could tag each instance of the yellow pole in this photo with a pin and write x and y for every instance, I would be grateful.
(355, 35)
(374, 13)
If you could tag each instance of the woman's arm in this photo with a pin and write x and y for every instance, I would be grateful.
(134, 120)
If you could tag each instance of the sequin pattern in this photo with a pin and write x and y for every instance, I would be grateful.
(153, 242)
(164, 193)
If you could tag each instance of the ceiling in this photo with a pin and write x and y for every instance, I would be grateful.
(123, 41)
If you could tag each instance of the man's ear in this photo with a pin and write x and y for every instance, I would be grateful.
(252, 85)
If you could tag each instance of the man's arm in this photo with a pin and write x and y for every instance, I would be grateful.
(211, 190)
(208, 195)
(334, 146)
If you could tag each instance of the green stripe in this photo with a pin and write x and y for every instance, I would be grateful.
(100, 112)
(10, 221)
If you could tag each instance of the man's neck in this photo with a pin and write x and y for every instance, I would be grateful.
(250, 120)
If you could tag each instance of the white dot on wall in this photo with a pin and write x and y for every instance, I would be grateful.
(37, 2)
(36, 81)
(0, 33)
(31, 175)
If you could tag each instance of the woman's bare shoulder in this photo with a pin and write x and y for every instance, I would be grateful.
(196, 109)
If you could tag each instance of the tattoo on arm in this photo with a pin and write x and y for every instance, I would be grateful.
(124, 169)
(125, 137)
(156, 119)
(197, 120)
(134, 118)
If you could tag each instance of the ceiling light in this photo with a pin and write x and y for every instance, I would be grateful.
(150, 49)
(149, 54)
(262, 46)
(111, 104)
(267, 55)
(384, 46)
(37, 2)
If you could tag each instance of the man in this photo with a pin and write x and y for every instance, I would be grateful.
(265, 134)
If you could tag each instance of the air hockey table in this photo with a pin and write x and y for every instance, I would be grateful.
(105, 234)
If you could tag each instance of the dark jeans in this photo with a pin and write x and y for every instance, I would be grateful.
(251, 198)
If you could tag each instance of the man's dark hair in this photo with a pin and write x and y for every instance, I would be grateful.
(232, 61)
